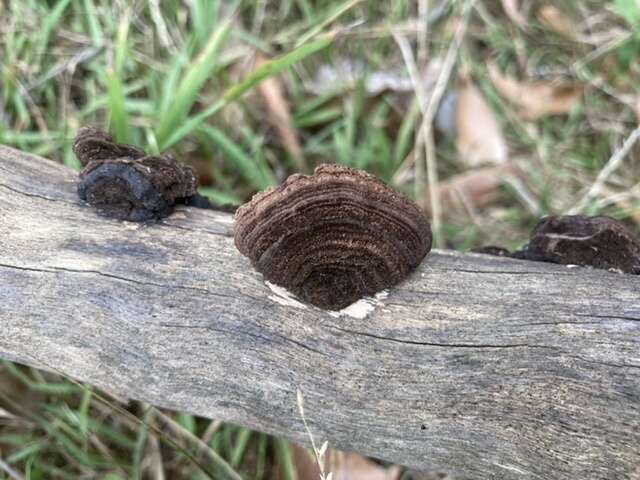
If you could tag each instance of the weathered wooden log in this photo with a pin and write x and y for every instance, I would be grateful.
(481, 366)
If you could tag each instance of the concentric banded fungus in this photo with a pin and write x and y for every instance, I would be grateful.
(332, 237)
(121, 182)
(599, 242)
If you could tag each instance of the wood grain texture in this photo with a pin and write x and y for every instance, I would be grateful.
(480, 366)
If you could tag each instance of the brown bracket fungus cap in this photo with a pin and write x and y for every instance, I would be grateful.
(122, 182)
(334, 236)
(92, 144)
(599, 242)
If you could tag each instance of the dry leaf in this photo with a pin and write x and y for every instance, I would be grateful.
(479, 138)
(342, 466)
(351, 466)
(470, 190)
(279, 115)
(536, 99)
(512, 9)
(303, 462)
(558, 21)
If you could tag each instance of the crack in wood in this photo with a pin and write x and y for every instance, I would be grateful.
(55, 269)
(614, 317)
(504, 272)
(35, 195)
(436, 344)
(241, 332)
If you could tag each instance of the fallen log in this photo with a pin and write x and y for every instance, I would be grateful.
(479, 366)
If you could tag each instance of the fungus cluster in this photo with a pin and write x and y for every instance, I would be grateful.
(334, 236)
(598, 242)
(121, 181)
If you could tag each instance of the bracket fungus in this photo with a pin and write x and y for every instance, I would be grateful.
(599, 242)
(124, 183)
(332, 237)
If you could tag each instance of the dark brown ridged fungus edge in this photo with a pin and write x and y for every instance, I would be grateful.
(332, 237)
(120, 181)
(599, 242)
(92, 144)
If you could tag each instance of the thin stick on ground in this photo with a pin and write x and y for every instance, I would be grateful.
(612, 165)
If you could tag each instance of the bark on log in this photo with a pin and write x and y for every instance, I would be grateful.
(483, 367)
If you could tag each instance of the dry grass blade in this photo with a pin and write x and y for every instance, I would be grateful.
(479, 137)
(627, 200)
(279, 115)
(612, 165)
(203, 449)
(429, 109)
(512, 9)
(10, 471)
(152, 462)
(536, 99)
(559, 22)
(319, 454)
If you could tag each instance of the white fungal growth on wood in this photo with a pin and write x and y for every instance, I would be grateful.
(363, 307)
(223, 219)
(283, 296)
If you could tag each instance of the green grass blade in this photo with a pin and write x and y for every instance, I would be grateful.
(141, 442)
(28, 449)
(204, 14)
(404, 139)
(117, 110)
(50, 23)
(242, 439)
(191, 124)
(192, 81)
(91, 15)
(115, 86)
(307, 10)
(219, 197)
(342, 147)
(285, 459)
(321, 116)
(333, 16)
(83, 411)
(187, 421)
(275, 66)
(170, 85)
(266, 70)
(261, 456)
(249, 169)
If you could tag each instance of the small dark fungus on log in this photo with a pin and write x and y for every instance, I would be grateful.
(120, 181)
(92, 144)
(332, 237)
(599, 242)
(136, 190)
